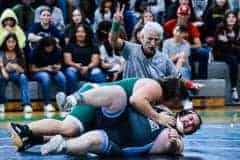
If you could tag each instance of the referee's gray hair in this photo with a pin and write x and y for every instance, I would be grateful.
(153, 26)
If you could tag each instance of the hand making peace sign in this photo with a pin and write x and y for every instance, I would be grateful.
(118, 15)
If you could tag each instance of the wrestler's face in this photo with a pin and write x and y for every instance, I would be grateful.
(190, 122)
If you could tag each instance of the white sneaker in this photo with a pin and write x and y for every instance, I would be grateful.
(57, 144)
(60, 99)
(49, 108)
(27, 109)
(235, 96)
(2, 108)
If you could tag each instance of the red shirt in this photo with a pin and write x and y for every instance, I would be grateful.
(193, 31)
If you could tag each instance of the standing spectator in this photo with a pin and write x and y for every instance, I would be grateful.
(46, 64)
(56, 14)
(44, 28)
(228, 48)
(198, 53)
(77, 17)
(214, 17)
(178, 50)
(103, 13)
(82, 58)
(25, 14)
(145, 59)
(9, 23)
(12, 66)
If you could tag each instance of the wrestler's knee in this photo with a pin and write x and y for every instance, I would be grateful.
(69, 129)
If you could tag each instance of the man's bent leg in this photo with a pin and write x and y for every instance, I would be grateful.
(93, 141)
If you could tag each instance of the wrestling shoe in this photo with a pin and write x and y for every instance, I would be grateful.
(61, 100)
(57, 144)
(20, 135)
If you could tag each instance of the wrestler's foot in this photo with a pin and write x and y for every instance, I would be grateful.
(61, 100)
(20, 135)
(57, 144)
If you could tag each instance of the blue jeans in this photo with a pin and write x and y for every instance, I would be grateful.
(45, 80)
(21, 80)
(185, 72)
(73, 76)
(200, 55)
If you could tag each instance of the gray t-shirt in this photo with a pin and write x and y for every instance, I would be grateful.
(170, 47)
(137, 65)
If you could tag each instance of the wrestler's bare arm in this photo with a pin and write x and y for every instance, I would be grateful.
(168, 141)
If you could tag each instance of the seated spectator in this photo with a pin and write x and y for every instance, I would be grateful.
(198, 7)
(77, 17)
(111, 60)
(228, 48)
(45, 65)
(103, 13)
(25, 14)
(82, 58)
(9, 23)
(139, 7)
(234, 5)
(157, 7)
(136, 37)
(147, 16)
(7, 4)
(12, 66)
(44, 28)
(178, 50)
(198, 53)
(213, 17)
(56, 14)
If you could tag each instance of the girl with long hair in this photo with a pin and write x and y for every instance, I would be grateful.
(12, 64)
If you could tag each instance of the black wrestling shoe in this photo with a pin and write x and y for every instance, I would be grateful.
(21, 136)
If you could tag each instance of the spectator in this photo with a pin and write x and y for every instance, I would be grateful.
(178, 50)
(46, 64)
(139, 7)
(136, 37)
(234, 5)
(111, 61)
(56, 14)
(157, 7)
(25, 14)
(4, 4)
(147, 16)
(214, 17)
(199, 8)
(228, 48)
(198, 53)
(12, 66)
(103, 13)
(44, 28)
(88, 7)
(77, 17)
(82, 58)
(142, 60)
(9, 23)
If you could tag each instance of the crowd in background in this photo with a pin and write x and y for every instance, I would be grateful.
(67, 41)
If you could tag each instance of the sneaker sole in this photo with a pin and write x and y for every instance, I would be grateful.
(16, 139)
